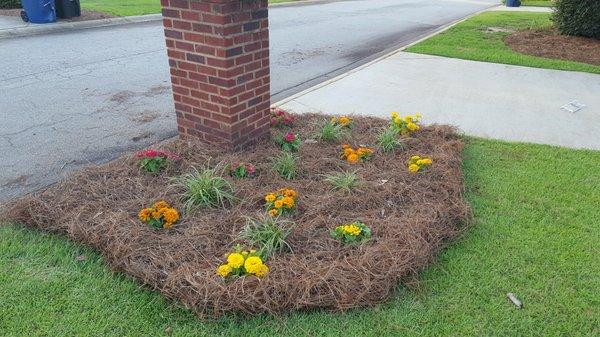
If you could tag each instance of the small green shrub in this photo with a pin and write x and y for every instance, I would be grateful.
(8, 4)
(205, 188)
(342, 181)
(267, 233)
(578, 17)
(388, 140)
(285, 165)
(330, 132)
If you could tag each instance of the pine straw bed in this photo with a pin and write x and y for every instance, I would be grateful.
(412, 216)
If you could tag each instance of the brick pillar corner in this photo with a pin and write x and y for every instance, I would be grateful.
(218, 53)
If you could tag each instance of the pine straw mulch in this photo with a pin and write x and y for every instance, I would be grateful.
(412, 217)
(549, 43)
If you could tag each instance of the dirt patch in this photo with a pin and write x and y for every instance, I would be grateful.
(85, 15)
(549, 43)
(412, 217)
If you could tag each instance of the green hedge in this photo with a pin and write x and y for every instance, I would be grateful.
(10, 3)
(578, 17)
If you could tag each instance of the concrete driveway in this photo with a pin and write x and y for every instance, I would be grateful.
(70, 99)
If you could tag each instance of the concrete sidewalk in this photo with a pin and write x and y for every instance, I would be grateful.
(489, 100)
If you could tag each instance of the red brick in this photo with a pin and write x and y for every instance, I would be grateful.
(219, 59)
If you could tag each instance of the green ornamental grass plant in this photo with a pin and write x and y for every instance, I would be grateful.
(285, 165)
(342, 181)
(267, 233)
(389, 140)
(205, 188)
(330, 132)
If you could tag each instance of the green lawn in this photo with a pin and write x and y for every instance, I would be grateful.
(130, 7)
(539, 3)
(536, 234)
(469, 40)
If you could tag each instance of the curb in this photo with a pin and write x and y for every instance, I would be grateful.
(69, 26)
(382, 57)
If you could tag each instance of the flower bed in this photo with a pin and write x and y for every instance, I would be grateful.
(395, 220)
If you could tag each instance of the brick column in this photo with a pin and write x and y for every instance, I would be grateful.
(219, 57)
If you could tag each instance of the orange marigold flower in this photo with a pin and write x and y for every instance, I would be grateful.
(170, 215)
(352, 158)
(157, 213)
(288, 202)
(144, 214)
(290, 193)
(161, 204)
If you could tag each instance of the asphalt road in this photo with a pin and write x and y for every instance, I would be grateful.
(81, 97)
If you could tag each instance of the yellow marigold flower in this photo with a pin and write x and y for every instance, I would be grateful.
(170, 215)
(427, 161)
(420, 162)
(415, 158)
(348, 151)
(253, 264)
(288, 202)
(270, 197)
(414, 168)
(334, 120)
(235, 260)
(394, 115)
(262, 271)
(344, 120)
(278, 204)
(398, 120)
(273, 212)
(412, 126)
(161, 204)
(144, 214)
(352, 229)
(224, 270)
(352, 158)
(408, 119)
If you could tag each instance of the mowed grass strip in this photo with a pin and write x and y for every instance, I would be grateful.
(536, 234)
(131, 7)
(537, 3)
(470, 40)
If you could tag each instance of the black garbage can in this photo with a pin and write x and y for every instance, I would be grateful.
(66, 9)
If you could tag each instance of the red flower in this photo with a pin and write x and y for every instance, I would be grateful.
(279, 112)
(250, 169)
(290, 137)
(274, 121)
(148, 154)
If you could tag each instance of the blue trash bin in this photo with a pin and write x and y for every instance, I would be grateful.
(39, 11)
(513, 3)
